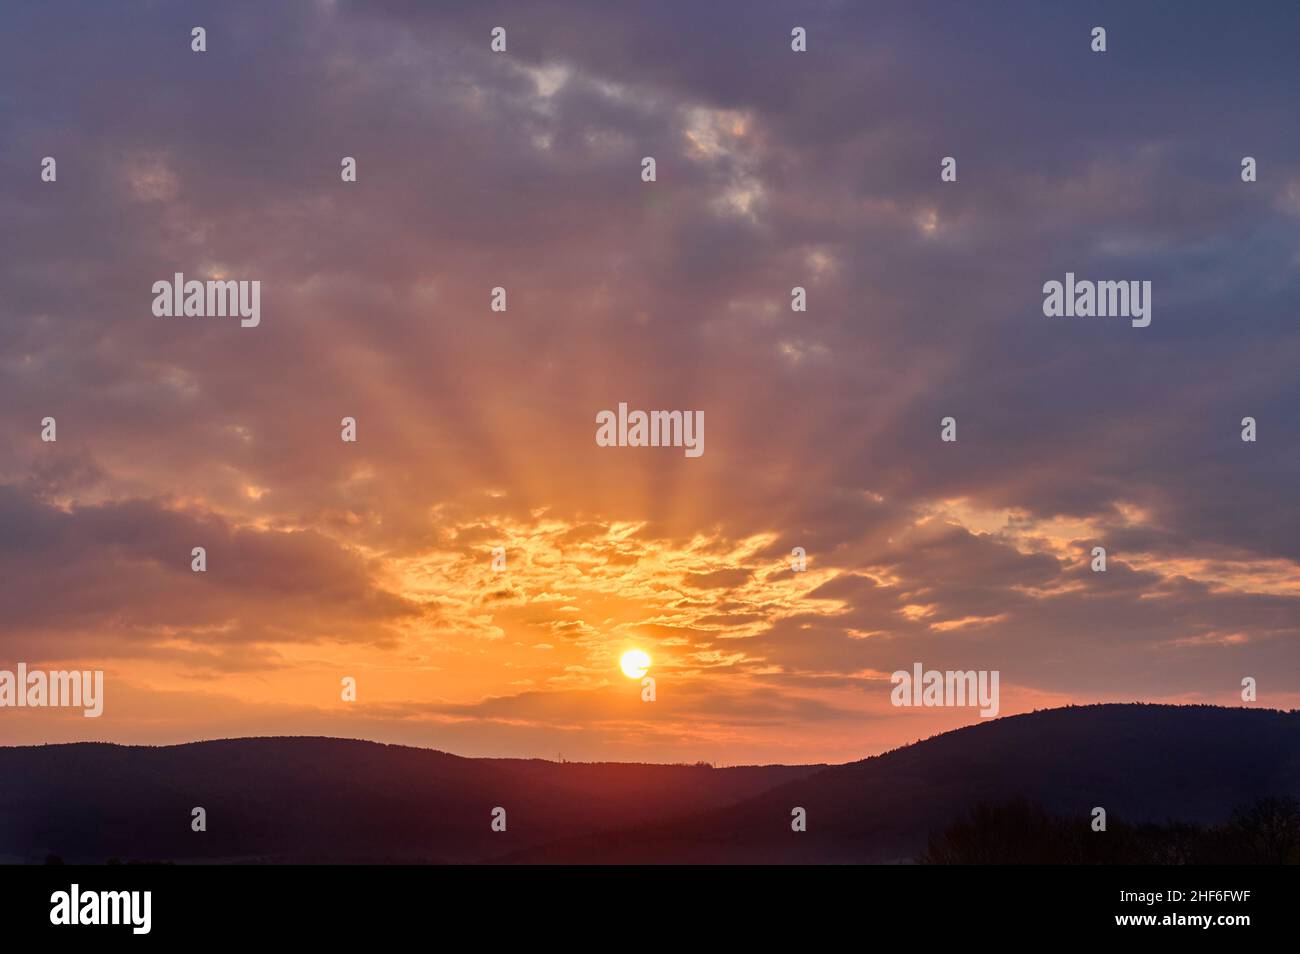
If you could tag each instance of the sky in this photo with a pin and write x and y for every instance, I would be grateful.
(476, 429)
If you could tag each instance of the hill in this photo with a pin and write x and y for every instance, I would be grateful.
(310, 800)
(1142, 763)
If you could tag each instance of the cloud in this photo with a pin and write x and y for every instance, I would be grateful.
(475, 428)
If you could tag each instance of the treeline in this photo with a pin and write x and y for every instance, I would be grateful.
(1021, 832)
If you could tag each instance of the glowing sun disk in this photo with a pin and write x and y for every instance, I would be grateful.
(635, 662)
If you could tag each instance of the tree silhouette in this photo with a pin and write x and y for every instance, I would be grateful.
(1269, 830)
(1023, 832)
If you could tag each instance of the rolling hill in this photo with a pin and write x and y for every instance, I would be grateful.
(314, 800)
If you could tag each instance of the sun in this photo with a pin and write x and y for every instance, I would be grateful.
(635, 662)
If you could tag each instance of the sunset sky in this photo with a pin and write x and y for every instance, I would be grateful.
(476, 429)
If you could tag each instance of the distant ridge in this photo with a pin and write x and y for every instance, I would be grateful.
(331, 800)
(1141, 762)
(311, 799)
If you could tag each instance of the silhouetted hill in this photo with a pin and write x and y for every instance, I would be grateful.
(315, 800)
(1140, 762)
